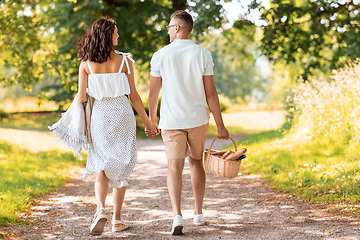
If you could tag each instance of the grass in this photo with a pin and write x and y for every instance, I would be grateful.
(26, 174)
(30, 121)
(316, 171)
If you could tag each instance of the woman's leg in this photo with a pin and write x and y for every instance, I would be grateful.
(119, 195)
(101, 190)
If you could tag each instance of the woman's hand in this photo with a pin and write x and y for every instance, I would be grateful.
(151, 130)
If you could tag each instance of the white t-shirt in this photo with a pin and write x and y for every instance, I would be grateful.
(182, 65)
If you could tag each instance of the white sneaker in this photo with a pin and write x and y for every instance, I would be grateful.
(199, 220)
(178, 226)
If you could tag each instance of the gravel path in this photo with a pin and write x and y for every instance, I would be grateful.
(239, 208)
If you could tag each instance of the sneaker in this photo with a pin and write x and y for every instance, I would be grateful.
(178, 226)
(199, 220)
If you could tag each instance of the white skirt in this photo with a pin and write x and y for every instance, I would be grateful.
(113, 132)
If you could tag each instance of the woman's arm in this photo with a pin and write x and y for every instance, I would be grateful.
(83, 81)
(137, 102)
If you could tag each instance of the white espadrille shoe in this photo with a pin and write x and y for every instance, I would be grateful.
(122, 223)
(98, 223)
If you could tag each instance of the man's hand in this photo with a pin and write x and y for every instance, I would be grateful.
(151, 133)
(223, 133)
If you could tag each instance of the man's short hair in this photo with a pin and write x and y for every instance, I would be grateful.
(184, 17)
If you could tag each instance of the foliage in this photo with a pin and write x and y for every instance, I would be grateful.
(318, 158)
(317, 35)
(330, 108)
(26, 174)
(224, 102)
(315, 171)
(41, 37)
(234, 54)
(27, 104)
(3, 114)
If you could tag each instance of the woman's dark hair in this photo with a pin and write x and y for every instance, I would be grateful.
(97, 44)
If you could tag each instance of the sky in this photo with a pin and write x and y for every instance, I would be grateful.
(236, 8)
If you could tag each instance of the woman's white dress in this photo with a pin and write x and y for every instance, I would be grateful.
(113, 127)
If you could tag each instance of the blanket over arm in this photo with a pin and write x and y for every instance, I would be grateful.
(73, 128)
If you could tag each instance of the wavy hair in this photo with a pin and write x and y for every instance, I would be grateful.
(97, 44)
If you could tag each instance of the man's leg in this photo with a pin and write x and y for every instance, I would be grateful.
(196, 142)
(174, 183)
(176, 151)
(198, 179)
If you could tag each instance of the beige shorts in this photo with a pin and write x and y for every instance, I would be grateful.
(184, 142)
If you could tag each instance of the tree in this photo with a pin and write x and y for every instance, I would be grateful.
(38, 37)
(235, 53)
(318, 35)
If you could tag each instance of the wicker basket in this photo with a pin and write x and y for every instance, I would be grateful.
(219, 166)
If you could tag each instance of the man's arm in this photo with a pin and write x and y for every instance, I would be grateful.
(155, 86)
(212, 99)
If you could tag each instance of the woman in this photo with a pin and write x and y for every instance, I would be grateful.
(108, 76)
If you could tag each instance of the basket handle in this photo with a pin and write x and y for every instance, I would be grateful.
(218, 137)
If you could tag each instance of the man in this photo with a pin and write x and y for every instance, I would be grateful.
(184, 71)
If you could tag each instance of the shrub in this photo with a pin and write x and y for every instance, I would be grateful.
(3, 114)
(225, 102)
(330, 109)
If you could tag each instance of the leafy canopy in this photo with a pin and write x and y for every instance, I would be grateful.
(38, 36)
(319, 35)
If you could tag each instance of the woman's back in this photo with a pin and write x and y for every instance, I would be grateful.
(109, 79)
(110, 66)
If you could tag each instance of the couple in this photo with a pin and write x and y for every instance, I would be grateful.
(184, 71)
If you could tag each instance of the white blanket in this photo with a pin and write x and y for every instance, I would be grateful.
(71, 128)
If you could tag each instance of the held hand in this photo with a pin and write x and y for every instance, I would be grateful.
(223, 133)
(149, 133)
(151, 130)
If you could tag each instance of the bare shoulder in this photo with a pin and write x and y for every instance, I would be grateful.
(84, 67)
(116, 55)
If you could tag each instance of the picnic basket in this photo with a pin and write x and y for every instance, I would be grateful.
(215, 164)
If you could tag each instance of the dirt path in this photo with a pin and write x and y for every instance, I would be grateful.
(240, 208)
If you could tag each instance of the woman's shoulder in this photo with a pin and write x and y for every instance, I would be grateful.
(83, 65)
(124, 54)
(121, 53)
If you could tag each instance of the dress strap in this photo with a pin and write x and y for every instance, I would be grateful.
(125, 56)
(88, 63)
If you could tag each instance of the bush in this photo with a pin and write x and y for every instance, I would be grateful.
(3, 114)
(330, 109)
(146, 106)
(225, 102)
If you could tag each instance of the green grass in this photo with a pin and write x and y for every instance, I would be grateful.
(233, 130)
(30, 121)
(318, 171)
(26, 174)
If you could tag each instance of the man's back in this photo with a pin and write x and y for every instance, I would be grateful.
(182, 65)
